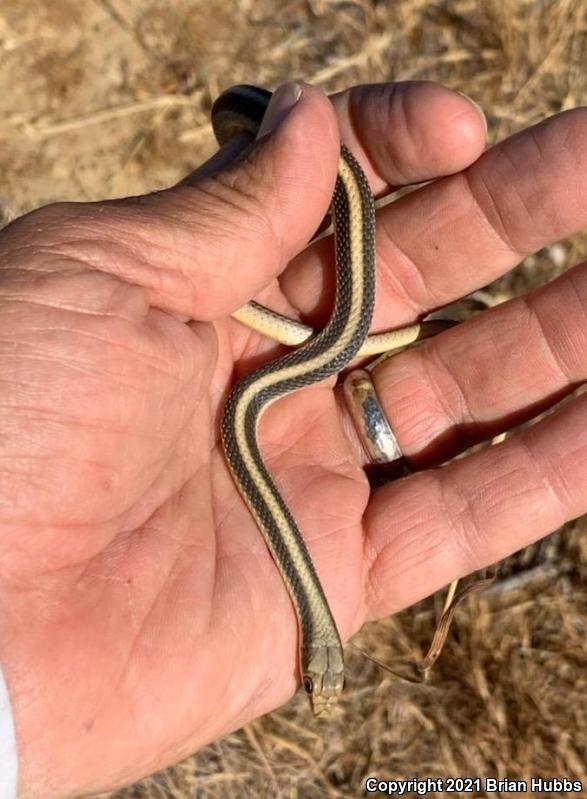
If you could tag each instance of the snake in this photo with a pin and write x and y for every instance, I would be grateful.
(316, 356)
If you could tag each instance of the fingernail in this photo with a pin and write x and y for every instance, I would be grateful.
(282, 101)
(478, 107)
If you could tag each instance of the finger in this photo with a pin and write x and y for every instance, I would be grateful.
(410, 131)
(488, 374)
(435, 526)
(463, 231)
(204, 248)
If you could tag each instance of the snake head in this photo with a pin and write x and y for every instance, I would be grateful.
(323, 678)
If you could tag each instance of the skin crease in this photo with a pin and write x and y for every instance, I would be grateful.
(141, 613)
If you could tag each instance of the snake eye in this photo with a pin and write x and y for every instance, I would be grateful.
(308, 684)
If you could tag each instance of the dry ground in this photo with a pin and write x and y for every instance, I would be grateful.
(103, 98)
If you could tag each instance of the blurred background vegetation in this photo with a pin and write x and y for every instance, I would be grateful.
(104, 98)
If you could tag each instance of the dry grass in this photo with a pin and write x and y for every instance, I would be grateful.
(111, 97)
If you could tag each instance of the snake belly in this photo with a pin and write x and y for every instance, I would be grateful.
(326, 354)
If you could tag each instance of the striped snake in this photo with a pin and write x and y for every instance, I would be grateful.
(316, 357)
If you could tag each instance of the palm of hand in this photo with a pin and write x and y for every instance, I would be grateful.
(147, 573)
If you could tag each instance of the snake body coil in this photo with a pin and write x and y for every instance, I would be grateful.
(325, 354)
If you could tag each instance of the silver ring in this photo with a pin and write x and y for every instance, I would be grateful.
(370, 421)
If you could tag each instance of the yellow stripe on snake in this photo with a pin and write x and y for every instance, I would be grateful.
(318, 356)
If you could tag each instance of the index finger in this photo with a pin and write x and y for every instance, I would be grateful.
(465, 230)
(409, 132)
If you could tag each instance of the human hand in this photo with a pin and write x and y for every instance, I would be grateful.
(142, 615)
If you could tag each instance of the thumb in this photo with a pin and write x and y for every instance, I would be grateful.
(207, 245)
(248, 211)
